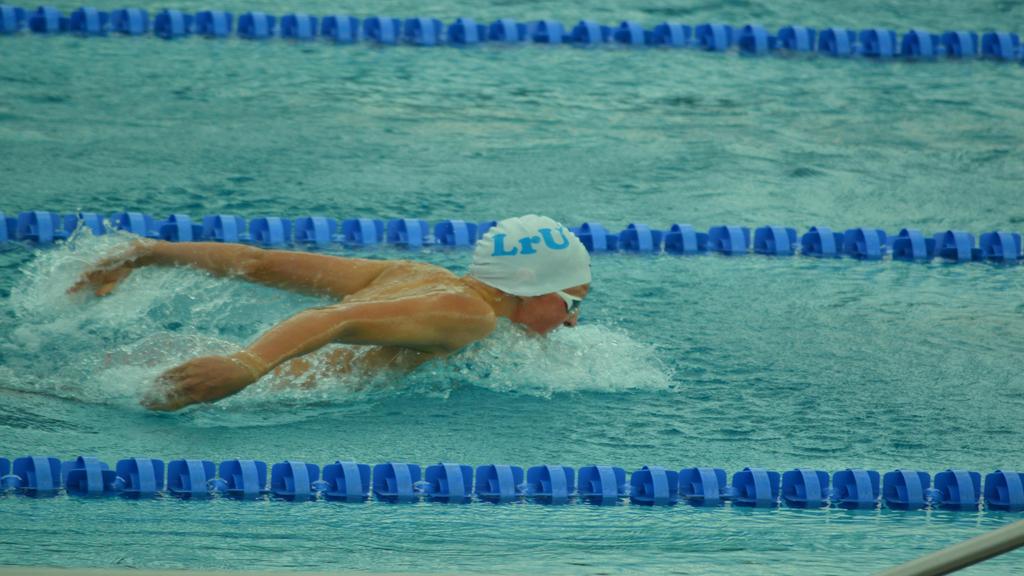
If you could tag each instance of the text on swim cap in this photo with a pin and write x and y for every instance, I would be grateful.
(526, 245)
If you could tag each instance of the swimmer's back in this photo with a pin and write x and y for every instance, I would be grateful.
(407, 279)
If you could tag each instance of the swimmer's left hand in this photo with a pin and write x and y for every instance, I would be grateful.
(204, 379)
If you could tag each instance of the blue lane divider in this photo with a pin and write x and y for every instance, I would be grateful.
(750, 39)
(901, 489)
(42, 228)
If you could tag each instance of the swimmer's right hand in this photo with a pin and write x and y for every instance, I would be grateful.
(204, 379)
(106, 274)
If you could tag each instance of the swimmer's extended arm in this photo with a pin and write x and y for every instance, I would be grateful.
(436, 325)
(310, 273)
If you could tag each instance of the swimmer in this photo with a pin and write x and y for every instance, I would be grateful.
(530, 270)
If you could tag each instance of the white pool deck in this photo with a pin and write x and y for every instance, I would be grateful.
(36, 571)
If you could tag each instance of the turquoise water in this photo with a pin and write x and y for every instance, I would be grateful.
(708, 361)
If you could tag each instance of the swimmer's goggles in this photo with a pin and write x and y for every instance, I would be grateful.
(572, 303)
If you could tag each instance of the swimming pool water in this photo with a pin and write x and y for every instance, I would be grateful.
(705, 361)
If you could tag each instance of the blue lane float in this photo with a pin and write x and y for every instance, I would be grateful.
(298, 26)
(171, 24)
(12, 19)
(362, 231)
(466, 32)
(1004, 490)
(139, 477)
(756, 487)
(130, 21)
(87, 21)
(775, 241)
(796, 38)
(685, 240)
(42, 228)
(671, 35)
(958, 489)
(552, 484)
(498, 483)
(294, 480)
(243, 479)
(805, 488)
(906, 489)
(341, 29)
(703, 486)
(382, 30)
(256, 25)
(654, 486)
(34, 476)
(190, 478)
(348, 481)
(508, 31)
(640, 238)
(729, 240)
(855, 488)
(602, 484)
(214, 23)
(88, 476)
(546, 32)
(453, 483)
(423, 32)
(396, 482)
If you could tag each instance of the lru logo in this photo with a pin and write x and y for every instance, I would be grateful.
(526, 245)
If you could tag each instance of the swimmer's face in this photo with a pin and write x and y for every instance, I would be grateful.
(542, 314)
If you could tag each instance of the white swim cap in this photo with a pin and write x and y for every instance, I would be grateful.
(530, 256)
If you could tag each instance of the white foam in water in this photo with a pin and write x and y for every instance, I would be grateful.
(586, 358)
(110, 350)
